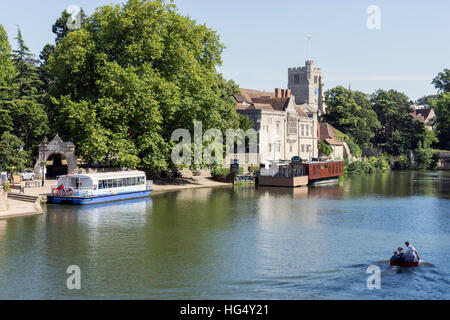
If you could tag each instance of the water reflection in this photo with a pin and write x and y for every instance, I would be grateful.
(241, 243)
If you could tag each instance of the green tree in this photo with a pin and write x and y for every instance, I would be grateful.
(442, 110)
(7, 69)
(7, 74)
(22, 111)
(442, 81)
(13, 157)
(351, 112)
(132, 75)
(61, 28)
(426, 100)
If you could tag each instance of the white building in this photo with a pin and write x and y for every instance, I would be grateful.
(284, 129)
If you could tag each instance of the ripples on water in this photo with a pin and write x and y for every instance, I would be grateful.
(246, 243)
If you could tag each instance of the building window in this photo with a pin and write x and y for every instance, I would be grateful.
(312, 131)
(303, 130)
(303, 148)
(307, 129)
(270, 147)
(278, 126)
(290, 147)
(292, 126)
(296, 79)
(278, 147)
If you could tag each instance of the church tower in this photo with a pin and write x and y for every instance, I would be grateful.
(306, 84)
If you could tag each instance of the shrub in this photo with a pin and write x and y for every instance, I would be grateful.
(370, 166)
(6, 186)
(324, 148)
(223, 173)
(252, 169)
(424, 156)
(402, 163)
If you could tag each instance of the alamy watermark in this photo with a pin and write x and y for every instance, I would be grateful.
(74, 21)
(374, 280)
(74, 280)
(208, 148)
(373, 21)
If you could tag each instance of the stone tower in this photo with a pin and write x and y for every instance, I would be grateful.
(306, 84)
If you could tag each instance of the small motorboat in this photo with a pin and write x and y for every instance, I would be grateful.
(404, 263)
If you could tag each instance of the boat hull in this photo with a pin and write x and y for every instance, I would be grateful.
(404, 264)
(98, 199)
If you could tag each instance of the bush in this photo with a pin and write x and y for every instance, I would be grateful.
(370, 166)
(402, 163)
(222, 173)
(6, 186)
(324, 149)
(253, 169)
(424, 157)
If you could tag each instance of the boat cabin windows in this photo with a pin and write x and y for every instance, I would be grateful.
(120, 182)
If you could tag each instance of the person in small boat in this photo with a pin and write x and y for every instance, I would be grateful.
(395, 256)
(408, 256)
(400, 254)
(413, 251)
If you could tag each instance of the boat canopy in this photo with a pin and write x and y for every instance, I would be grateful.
(90, 179)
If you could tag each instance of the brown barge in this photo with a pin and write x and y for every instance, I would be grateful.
(297, 174)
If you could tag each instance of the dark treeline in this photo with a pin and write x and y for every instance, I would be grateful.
(383, 121)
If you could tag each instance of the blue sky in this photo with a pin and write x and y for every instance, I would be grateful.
(264, 38)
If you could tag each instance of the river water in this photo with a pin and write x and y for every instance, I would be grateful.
(241, 243)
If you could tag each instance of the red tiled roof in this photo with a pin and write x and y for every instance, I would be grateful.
(277, 103)
(256, 93)
(327, 133)
(423, 112)
(262, 100)
(333, 142)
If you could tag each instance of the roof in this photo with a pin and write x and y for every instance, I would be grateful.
(112, 175)
(333, 142)
(300, 112)
(276, 103)
(327, 133)
(261, 100)
(421, 114)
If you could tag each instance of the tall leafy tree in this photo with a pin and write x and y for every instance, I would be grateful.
(7, 69)
(7, 74)
(442, 110)
(442, 81)
(399, 132)
(13, 157)
(351, 112)
(132, 75)
(24, 115)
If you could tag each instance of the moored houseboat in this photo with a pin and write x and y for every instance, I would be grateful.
(100, 187)
(298, 173)
(324, 171)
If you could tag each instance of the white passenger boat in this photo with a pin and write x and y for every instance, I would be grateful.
(100, 187)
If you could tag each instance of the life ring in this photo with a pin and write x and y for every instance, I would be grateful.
(69, 191)
(55, 192)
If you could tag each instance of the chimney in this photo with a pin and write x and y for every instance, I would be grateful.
(288, 93)
(283, 94)
(277, 92)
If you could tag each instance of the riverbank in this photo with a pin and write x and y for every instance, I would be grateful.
(16, 208)
(159, 186)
